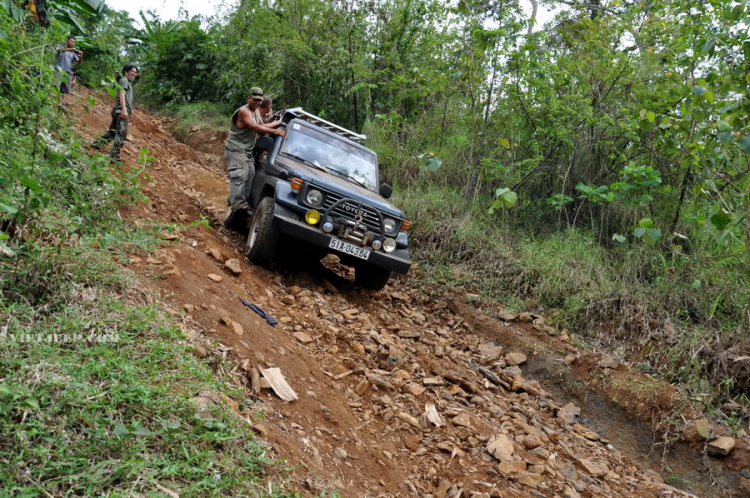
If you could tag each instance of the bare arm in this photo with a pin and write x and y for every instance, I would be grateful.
(274, 124)
(124, 114)
(245, 119)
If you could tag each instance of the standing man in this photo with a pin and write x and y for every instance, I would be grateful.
(244, 128)
(64, 60)
(121, 113)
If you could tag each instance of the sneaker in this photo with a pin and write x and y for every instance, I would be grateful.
(117, 159)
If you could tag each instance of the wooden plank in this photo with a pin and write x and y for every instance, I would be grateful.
(279, 384)
(433, 416)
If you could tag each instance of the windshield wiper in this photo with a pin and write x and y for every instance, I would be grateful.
(304, 161)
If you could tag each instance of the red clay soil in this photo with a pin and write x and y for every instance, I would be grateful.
(368, 367)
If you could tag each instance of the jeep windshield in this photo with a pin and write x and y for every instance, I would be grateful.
(331, 154)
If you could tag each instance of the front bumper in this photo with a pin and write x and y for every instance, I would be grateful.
(287, 221)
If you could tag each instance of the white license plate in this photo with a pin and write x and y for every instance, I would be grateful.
(350, 249)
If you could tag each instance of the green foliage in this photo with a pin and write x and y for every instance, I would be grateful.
(110, 413)
(102, 45)
(430, 161)
(203, 114)
(67, 11)
(50, 189)
(179, 61)
(504, 198)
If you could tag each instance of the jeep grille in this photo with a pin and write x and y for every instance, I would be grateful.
(369, 214)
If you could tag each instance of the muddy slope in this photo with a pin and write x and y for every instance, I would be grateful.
(400, 392)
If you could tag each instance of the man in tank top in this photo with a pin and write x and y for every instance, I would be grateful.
(244, 128)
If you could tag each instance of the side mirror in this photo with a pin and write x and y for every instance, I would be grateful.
(264, 143)
(386, 190)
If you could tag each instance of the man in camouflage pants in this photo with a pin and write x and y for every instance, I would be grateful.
(121, 113)
(245, 126)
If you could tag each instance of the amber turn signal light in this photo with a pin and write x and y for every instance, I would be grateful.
(406, 224)
(297, 184)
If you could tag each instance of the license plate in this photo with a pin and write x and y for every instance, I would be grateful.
(350, 249)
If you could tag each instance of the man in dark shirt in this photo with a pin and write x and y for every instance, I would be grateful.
(121, 112)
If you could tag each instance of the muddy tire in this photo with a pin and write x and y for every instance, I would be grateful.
(371, 277)
(261, 241)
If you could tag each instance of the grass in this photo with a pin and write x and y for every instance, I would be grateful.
(112, 418)
(84, 416)
(203, 114)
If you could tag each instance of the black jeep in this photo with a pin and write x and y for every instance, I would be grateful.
(318, 186)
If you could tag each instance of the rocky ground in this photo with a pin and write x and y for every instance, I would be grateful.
(406, 391)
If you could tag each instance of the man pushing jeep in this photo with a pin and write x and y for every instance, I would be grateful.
(244, 128)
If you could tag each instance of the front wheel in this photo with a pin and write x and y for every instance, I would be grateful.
(261, 241)
(371, 277)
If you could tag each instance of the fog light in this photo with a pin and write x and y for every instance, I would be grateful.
(328, 227)
(313, 217)
(389, 245)
(376, 244)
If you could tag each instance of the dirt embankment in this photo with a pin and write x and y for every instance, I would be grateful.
(403, 392)
(200, 139)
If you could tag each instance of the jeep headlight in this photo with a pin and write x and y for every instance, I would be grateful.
(389, 245)
(389, 225)
(314, 197)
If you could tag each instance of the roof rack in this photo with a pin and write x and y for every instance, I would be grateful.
(298, 113)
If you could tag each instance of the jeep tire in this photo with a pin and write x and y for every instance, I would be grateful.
(261, 241)
(371, 277)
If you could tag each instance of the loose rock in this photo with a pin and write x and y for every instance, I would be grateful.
(462, 420)
(303, 337)
(490, 351)
(697, 430)
(513, 359)
(530, 479)
(570, 413)
(413, 421)
(721, 446)
(593, 468)
(216, 254)
(237, 328)
(501, 448)
(233, 265)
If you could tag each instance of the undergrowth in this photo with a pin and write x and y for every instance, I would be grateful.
(683, 326)
(95, 386)
(206, 115)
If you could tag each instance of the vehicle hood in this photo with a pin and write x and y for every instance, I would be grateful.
(344, 187)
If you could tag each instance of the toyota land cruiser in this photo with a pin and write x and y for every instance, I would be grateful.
(319, 185)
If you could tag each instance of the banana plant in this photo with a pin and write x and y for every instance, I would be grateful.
(66, 11)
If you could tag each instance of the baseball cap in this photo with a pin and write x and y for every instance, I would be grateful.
(256, 92)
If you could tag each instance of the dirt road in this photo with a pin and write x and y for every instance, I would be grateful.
(403, 392)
